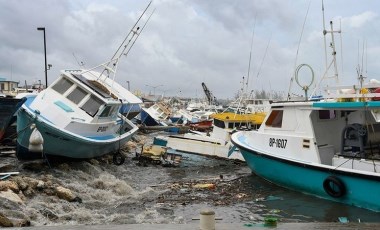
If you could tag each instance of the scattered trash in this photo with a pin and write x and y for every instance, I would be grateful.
(274, 211)
(158, 155)
(4, 176)
(269, 198)
(270, 221)
(207, 185)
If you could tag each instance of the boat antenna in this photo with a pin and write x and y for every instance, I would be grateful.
(333, 61)
(79, 63)
(299, 43)
(360, 68)
(341, 44)
(262, 61)
(324, 33)
(250, 53)
(132, 31)
(138, 34)
(133, 39)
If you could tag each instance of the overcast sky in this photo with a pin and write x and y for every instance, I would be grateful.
(188, 42)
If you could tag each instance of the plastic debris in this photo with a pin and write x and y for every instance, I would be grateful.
(343, 219)
(209, 186)
(271, 198)
(270, 221)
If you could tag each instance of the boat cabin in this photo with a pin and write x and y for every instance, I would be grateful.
(325, 132)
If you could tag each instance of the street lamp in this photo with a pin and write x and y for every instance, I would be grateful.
(46, 68)
(154, 88)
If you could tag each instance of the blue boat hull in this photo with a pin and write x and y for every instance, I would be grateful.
(58, 142)
(130, 110)
(8, 108)
(360, 190)
(147, 119)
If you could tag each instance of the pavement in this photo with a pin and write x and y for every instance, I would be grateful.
(218, 226)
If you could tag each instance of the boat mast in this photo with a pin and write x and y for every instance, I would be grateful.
(324, 33)
(333, 61)
(111, 65)
(334, 50)
(299, 43)
(250, 55)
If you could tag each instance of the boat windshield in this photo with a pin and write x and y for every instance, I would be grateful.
(109, 111)
(62, 85)
(77, 95)
(92, 105)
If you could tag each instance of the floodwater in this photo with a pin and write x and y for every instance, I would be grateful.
(129, 194)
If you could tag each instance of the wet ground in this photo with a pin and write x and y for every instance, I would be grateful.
(132, 194)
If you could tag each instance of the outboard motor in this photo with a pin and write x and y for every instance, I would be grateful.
(355, 137)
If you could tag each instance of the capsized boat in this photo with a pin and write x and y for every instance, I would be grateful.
(78, 114)
(157, 114)
(327, 146)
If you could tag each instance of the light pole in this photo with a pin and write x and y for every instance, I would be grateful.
(46, 81)
(154, 88)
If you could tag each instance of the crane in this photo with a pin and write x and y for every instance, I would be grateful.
(210, 98)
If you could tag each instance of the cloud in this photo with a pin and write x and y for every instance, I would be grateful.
(185, 43)
(357, 21)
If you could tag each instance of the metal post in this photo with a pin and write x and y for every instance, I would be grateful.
(129, 89)
(46, 81)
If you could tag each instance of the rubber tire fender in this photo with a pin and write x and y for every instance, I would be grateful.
(331, 183)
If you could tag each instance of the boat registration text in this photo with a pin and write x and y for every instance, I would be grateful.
(279, 143)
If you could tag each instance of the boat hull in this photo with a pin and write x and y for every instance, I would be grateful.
(147, 119)
(58, 142)
(198, 146)
(361, 190)
(8, 108)
(130, 110)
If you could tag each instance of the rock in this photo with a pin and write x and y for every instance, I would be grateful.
(40, 185)
(4, 221)
(49, 214)
(22, 223)
(64, 167)
(22, 184)
(5, 185)
(21, 195)
(10, 195)
(65, 193)
(36, 165)
(131, 145)
(94, 162)
(6, 167)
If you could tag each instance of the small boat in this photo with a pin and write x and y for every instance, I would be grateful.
(326, 146)
(216, 142)
(131, 109)
(78, 115)
(8, 108)
(157, 114)
(205, 125)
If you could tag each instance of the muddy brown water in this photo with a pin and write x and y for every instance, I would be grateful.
(129, 194)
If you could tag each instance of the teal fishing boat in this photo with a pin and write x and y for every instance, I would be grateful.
(326, 146)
